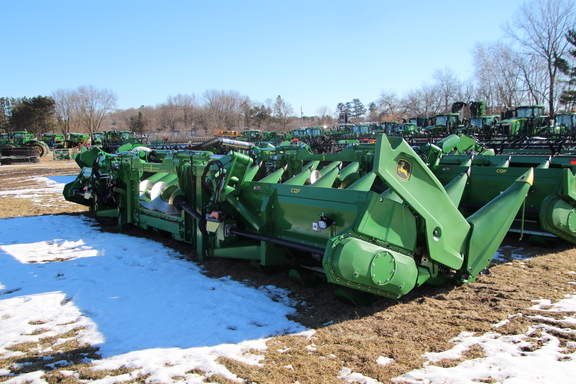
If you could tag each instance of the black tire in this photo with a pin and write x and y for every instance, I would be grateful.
(40, 149)
(5, 161)
(24, 151)
(6, 150)
(46, 149)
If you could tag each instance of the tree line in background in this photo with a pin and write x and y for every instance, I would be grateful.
(533, 64)
(88, 109)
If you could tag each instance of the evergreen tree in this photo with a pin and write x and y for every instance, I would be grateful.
(260, 115)
(344, 107)
(372, 111)
(35, 115)
(354, 108)
(348, 107)
(568, 97)
(138, 124)
(358, 109)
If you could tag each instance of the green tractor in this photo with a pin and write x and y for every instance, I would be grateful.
(406, 129)
(448, 123)
(565, 123)
(342, 131)
(296, 135)
(261, 138)
(23, 139)
(444, 124)
(420, 122)
(112, 140)
(57, 139)
(97, 138)
(529, 121)
(271, 137)
(364, 133)
(409, 128)
(314, 137)
(4, 138)
(251, 135)
(479, 123)
(77, 139)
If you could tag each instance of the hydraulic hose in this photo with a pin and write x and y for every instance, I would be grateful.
(280, 242)
(181, 205)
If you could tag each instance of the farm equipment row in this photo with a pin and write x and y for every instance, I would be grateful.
(525, 127)
(381, 218)
(70, 140)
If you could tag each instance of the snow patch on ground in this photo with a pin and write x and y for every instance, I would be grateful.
(138, 301)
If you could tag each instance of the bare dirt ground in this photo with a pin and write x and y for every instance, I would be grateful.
(423, 321)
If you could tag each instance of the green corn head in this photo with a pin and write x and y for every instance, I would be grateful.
(550, 203)
(373, 217)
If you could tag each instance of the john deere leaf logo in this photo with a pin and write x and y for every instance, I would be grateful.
(403, 169)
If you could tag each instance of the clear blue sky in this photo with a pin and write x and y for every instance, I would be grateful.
(312, 53)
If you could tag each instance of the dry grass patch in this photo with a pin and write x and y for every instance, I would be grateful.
(48, 354)
(474, 352)
(35, 361)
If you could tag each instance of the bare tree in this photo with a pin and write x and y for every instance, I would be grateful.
(221, 110)
(324, 114)
(188, 106)
(282, 111)
(498, 75)
(448, 85)
(539, 28)
(486, 71)
(120, 119)
(534, 78)
(269, 103)
(425, 101)
(466, 91)
(411, 104)
(388, 106)
(169, 115)
(66, 110)
(93, 105)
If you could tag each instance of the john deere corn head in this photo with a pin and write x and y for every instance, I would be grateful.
(374, 218)
(549, 209)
